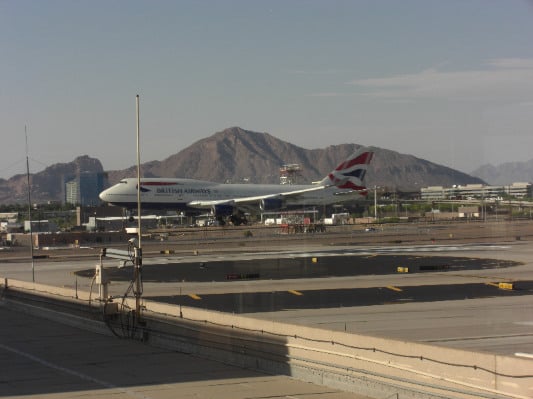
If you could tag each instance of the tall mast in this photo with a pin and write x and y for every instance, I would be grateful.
(138, 250)
(29, 205)
(138, 173)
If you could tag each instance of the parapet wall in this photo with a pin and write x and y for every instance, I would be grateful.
(372, 366)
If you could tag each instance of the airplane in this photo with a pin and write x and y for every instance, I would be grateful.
(344, 183)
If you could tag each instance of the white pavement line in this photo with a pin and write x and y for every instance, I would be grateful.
(65, 370)
(521, 354)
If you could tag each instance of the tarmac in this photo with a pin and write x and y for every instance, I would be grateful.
(41, 357)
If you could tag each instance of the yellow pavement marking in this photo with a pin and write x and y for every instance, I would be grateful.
(506, 286)
(295, 292)
(502, 286)
(194, 296)
(390, 287)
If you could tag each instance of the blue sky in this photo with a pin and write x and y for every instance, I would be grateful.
(448, 81)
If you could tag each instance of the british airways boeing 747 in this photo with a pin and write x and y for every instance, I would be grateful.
(344, 183)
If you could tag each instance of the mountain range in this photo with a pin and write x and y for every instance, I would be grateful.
(506, 173)
(239, 155)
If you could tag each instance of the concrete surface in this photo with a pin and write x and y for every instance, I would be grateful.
(45, 359)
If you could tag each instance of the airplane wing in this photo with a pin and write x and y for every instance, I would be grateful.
(254, 199)
(295, 193)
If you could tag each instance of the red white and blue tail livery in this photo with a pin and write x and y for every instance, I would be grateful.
(344, 183)
(351, 173)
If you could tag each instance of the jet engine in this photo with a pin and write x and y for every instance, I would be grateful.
(222, 210)
(272, 204)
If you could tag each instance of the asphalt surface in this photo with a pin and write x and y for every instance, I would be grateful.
(309, 267)
(336, 264)
(276, 301)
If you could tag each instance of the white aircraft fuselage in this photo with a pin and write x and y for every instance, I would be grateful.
(344, 183)
(189, 194)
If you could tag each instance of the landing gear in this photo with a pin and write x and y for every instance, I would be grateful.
(238, 219)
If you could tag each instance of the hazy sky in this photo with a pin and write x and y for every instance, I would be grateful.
(450, 81)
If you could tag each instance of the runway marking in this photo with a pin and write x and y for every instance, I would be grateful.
(524, 323)
(61, 369)
(390, 287)
(522, 354)
(195, 297)
(294, 292)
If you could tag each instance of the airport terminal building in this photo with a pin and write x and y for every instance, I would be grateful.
(476, 191)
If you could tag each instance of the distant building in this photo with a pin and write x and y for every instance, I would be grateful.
(468, 212)
(72, 192)
(84, 188)
(520, 190)
(477, 191)
(8, 222)
(9, 216)
(40, 226)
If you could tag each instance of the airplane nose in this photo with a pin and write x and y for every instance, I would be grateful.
(103, 195)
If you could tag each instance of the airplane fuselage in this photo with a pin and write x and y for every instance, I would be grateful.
(344, 183)
(177, 193)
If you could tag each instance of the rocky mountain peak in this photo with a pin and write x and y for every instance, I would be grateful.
(240, 155)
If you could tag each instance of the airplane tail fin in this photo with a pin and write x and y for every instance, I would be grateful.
(350, 174)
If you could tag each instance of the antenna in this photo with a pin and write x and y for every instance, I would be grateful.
(138, 174)
(138, 251)
(29, 205)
